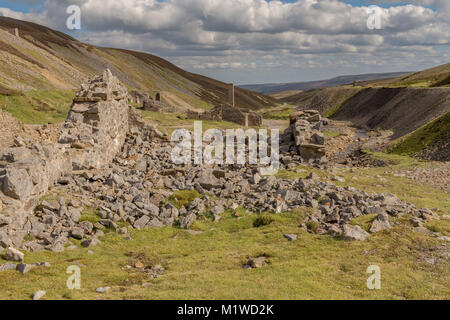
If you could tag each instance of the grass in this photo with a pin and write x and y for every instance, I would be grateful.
(184, 197)
(279, 113)
(438, 130)
(169, 122)
(39, 106)
(331, 134)
(209, 265)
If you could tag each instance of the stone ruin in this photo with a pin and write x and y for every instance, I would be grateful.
(304, 137)
(94, 132)
(147, 103)
(228, 113)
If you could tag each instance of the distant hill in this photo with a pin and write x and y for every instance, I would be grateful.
(434, 77)
(42, 59)
(272, 88)
(415, 105)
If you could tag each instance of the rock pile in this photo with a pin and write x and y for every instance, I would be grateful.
(304, 137)
(137, 186)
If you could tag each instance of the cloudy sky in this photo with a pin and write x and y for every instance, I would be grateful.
(259, 41)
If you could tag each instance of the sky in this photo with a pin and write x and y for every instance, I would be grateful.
(259, 41)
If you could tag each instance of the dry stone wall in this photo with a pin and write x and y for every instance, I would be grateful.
(92, 136)
(97, 124)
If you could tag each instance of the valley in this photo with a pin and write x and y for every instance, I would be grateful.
(87, 181)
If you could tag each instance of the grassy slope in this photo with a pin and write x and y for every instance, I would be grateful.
(209, 265)
(44, 59)
(434, 77)
(39, 106)
(438, 130)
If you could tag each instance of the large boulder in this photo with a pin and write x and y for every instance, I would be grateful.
(12, 254)
(381, 222)
(354, 233)
(17, 184)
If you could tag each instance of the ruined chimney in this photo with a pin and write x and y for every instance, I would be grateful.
(16, 32)
(231, 95)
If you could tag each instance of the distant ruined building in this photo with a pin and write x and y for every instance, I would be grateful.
(228, 112)
(148, 103)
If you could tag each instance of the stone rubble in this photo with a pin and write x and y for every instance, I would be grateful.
(110, 160)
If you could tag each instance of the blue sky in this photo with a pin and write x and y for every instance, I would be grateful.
(253, 41)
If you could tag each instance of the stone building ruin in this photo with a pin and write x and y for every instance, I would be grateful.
(228, 112)
(93, 134)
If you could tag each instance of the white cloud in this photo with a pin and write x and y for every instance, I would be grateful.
(215, 35)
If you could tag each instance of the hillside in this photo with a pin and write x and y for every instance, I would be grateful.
(431, 142)
(45, 60)
(272, 88)
(434, 77)
(402, 110)
(412, 106)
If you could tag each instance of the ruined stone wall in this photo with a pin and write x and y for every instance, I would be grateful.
(304, 136)
(254, 120)
(228, 113)
(97, 124)
(92, 136)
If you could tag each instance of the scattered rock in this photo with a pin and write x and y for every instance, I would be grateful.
(354, 233)
(256, 262)
(90, 243)
(381, 222)
(103, 289)
(291, 237)
(38, 295)
(25, 268)
(12, 254)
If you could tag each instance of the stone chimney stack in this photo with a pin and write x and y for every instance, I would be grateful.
(231, 95)
(16, 32)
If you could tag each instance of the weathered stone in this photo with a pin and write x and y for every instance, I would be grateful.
(109, 224)
(217, 210)
(12, 254)
(17, 184)
(90, 243)
(256, 262)
(38, 295)
(155, 223)
(103, 289)
(141, 222)
(291, 237)
(8, 267)
(77, 233)
(25, 268)
(354, 233)
(187, 221)
(380, 223)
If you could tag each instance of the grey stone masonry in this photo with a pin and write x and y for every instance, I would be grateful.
(97, 124)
